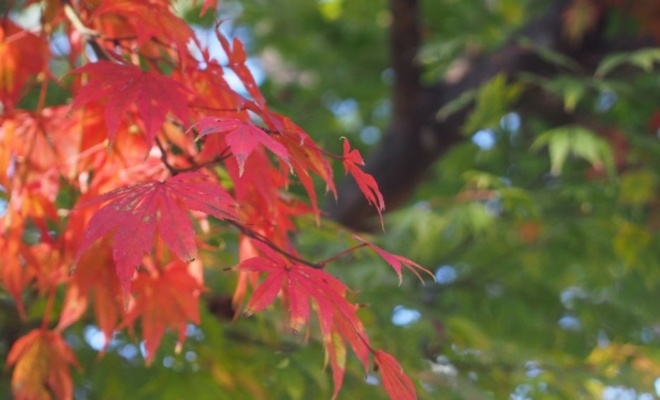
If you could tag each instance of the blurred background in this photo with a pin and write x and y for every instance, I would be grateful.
(517, 145)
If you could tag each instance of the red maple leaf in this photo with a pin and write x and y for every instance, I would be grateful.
(42, 361)
(306, 157)
(135, 211)
(169, 299)
(396, 261)
(123, 85)
(397, 384)
(237, 57)
(93, 279)
(299, 284)
(241, 137)
(365, 182)
(150, 20)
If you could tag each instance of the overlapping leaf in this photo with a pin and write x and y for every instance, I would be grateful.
(167, 300)
(306, 157)
(241, 137)
(237, 58)
(42, 361)
(23, 55)
(150, 20)
(396, 382)
(299, 284)
(136, 211)
(124, 85)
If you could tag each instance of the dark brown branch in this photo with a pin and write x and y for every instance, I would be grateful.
(404, 43)
(163, 157)
(415, 138)
(257, 236)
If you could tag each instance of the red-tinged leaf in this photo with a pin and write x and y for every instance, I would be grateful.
(42, 361)
(212, 4)
(136, 211)
(306, 157)
(298, 301)
(237, 57)
(12, 272)
(246, 250)
(396, 261)
(335, 352)
(365, 182)
(150, 20)
(93, 281)
(167, 300)
(298, 284)
(23, 55)
(265, 293)
(241, 137)
(75, 305)
(124, 85)
(397, 384)
(268, 290)
(351, 328)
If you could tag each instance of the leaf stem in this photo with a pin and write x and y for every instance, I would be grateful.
(163, 157)
(87, 33)
(336, 256)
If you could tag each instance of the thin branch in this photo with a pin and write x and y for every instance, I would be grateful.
(163, 157)
(88, 34)
(196, 167)
(235, 109)
(258, 236)
(415, 138)
(336, 256)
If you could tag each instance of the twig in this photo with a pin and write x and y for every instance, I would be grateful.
(257, 236)
(89, 34)
(163, 157)
(336, 256)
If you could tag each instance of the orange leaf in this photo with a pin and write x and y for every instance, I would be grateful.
(150, 20)
(42, 361)
(23, 55)
(95, 279)
(168, 300)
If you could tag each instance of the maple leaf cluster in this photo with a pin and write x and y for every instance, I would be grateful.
(140, 151)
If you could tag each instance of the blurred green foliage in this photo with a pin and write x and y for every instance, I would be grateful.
(545, 242)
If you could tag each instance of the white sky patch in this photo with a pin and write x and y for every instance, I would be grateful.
(94, 337)
(403, 316)
(485, 139)
(208, 40)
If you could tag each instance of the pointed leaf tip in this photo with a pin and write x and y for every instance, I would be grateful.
(396, 261)
(397, 384)
(242, 138)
